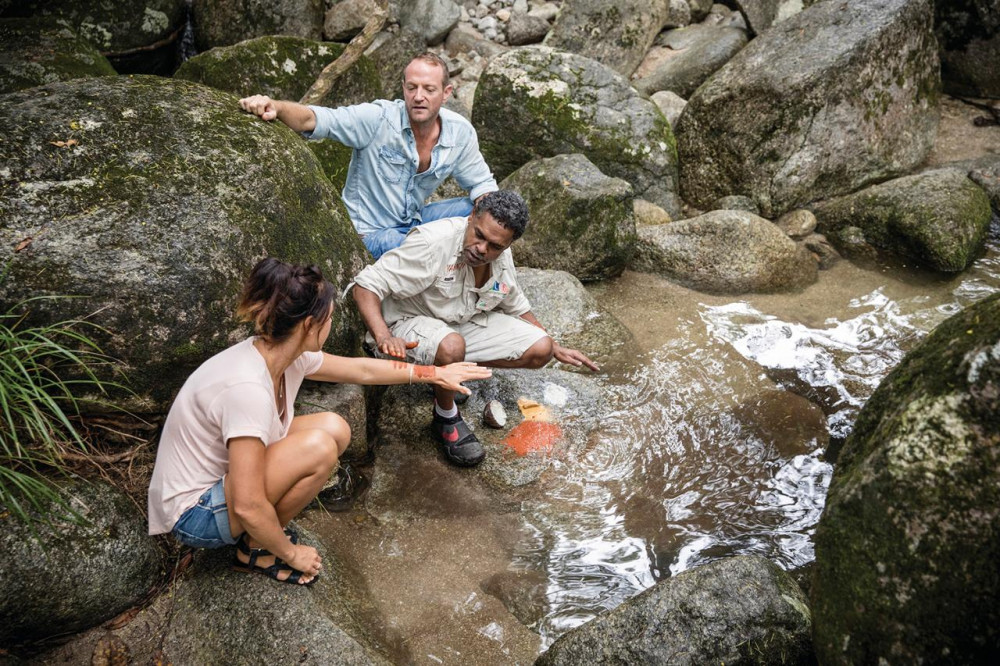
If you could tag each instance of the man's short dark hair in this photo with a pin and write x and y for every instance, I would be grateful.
(507, 207)
(431, 58)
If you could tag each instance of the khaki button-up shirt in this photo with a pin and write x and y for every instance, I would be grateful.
(427, 276)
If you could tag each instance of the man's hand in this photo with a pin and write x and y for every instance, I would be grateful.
(260, 105)
(451, 376)
(392, 346)
(572, 356)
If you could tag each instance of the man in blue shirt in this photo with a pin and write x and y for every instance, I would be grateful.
(402, 151)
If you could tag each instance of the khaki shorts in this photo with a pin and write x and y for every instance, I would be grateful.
(502, 338)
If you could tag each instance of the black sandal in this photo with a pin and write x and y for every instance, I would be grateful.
(274, 571)
(460, 445)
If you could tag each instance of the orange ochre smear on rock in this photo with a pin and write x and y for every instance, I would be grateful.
(424, 371)
(529, 436)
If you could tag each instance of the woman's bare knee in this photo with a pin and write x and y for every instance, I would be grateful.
(321, 449)
(337, 427)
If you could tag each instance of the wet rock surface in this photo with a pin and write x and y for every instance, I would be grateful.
(912, 513)
(538, 102)
(741, 610)
(156, 214)
(938, 218)
(725, 251)
(767, 125)
(581, 220)
(64, 577)
(574, 402)
(572, 316)
(37, 51)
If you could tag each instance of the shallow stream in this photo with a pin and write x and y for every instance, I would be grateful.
(703, 456)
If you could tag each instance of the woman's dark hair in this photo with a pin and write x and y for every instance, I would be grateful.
(278, 295)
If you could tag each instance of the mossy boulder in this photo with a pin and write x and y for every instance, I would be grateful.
(285, 67)
(727, 252)
(214, 616)
(737, 611)
(225, 22)
(62, 576)
(573, 318)
(770, 124)
(152, 199)
(908, 544)
(34, 52)
(137, 35)
(969, 34)
(538, 102)
(617, 34)
(582, 222)
(938, 218)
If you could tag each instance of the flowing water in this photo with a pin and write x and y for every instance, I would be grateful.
(717, 443)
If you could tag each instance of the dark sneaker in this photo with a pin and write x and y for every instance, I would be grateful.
(457, 440)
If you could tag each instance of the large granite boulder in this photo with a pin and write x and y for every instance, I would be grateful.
(514, 458)
(938, 218)
(152, 198)
(431, 19)
(572, 316)
(907, 547)
(34, 52)
(968, 32)
(225, 22)
(771, 124)
(737, 611)
(137, 35)
(581, 220)
(686, 57)
(538, 102)
(215, 616)
(65, 576)
(617, 34)
(284, 68)
(759, 14)
(725, 251)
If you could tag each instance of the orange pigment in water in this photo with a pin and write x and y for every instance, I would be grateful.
(529, 436)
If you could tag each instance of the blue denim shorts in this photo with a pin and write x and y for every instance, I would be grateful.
(206, 524)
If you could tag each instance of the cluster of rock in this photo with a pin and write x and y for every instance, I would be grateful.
(725, 150)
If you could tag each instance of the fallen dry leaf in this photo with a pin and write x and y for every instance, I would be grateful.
(23, 244)
(110, 651)
(122, 619)
(64, 144)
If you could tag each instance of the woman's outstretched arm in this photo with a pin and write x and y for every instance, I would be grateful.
(360, 370)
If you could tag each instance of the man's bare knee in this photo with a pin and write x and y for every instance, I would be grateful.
(538, 354)
(450, 350)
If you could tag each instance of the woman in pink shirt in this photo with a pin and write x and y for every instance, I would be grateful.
(234, 465)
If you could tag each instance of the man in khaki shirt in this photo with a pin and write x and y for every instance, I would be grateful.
(449, 293)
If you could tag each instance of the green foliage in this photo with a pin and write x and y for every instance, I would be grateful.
(44, 371)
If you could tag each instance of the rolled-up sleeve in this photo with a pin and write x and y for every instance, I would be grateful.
(404, 272)
(471, 171)
(354, 126)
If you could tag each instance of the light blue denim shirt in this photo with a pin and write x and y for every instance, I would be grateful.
(383, 188)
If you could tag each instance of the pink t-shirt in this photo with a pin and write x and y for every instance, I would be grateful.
(229, 395)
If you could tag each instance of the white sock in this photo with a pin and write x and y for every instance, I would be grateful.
(445, 413)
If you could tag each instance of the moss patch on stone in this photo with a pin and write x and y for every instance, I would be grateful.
(907, 547)
(36, 51)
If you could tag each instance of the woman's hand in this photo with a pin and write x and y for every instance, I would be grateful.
(306, 559)
(451, 376)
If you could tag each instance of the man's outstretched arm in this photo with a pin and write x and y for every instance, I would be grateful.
(297, 116)
(562, 354)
